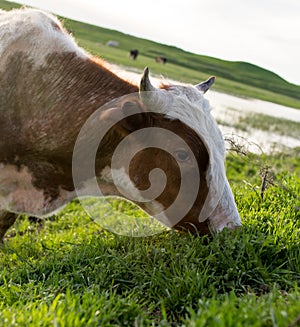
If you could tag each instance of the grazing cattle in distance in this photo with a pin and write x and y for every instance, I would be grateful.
(134, 54)
(112, 43)
(49, 89)
(161, 60)
(70, 31)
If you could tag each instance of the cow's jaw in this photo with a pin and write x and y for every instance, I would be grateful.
(123, 186)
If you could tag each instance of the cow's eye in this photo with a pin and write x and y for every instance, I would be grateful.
(182, 155)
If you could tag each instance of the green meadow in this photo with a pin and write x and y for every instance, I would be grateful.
(69, 271)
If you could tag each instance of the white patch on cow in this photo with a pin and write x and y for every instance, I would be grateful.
(121, 180)
(34, 32)
(105, 174)
(19, 195)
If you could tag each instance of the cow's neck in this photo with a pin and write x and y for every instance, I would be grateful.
(50, 103)
(82, 84)
(46, 107)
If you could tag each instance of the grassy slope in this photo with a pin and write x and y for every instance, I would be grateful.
(238, 78)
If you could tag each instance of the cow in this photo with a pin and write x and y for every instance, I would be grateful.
(49, 90)
(134, 54)
(161, 60)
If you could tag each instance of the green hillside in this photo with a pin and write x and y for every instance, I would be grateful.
(239, 78)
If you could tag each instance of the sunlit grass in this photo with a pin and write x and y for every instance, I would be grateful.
(121, 217)
(69, 271)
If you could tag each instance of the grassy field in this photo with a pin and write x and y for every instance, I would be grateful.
(237, 78)
(68, 271)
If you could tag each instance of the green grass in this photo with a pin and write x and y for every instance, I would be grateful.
(239, 78)
(69, 271)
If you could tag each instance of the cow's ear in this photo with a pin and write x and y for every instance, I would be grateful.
(204, 86)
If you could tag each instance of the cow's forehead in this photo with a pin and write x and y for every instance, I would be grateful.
(189, 93)
(189, 105)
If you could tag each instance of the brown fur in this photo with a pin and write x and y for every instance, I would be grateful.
(157, 158)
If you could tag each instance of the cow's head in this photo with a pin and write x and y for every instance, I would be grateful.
(165, 153)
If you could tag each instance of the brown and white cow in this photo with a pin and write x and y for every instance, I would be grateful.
(49, 87)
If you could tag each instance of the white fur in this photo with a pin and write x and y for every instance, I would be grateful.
(19, 195)
(33, 32)
(226, 213)
(121, 180)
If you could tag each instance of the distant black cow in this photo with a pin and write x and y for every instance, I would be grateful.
(133, 54)
(161, 60)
